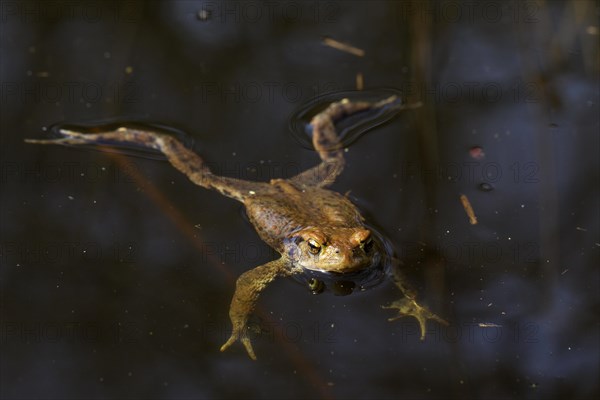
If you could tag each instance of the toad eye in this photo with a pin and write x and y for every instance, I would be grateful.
(313, 246)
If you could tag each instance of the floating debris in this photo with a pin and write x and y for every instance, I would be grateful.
(343, 47)
(468, 209)
(489, 325)
(477, 153)
(360, 81)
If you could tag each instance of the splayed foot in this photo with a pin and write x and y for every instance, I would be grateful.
(410, 308)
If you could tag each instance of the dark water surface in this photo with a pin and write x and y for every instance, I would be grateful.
(117, 273)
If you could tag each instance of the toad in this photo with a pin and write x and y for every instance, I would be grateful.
(314, 229)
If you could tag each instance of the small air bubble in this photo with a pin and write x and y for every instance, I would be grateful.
(203, 15)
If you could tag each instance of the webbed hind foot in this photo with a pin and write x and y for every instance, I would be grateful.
(410, 308)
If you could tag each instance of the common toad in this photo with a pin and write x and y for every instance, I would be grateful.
(314, 229)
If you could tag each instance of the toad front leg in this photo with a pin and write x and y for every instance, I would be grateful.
(247, 290)
(408, 306)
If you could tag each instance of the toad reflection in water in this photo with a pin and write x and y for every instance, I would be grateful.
(320, 234)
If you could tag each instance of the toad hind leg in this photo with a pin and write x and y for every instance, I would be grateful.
(408, 306)
(178, 155)
(247, 290)
(327, 143)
